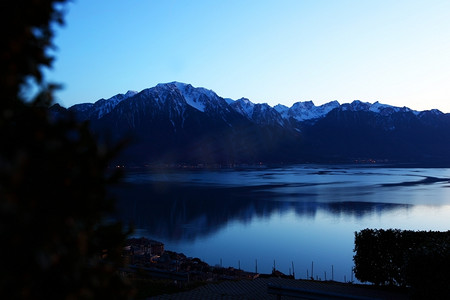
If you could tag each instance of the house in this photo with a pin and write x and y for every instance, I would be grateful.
(142, 250)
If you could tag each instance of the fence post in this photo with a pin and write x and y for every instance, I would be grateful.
(332, 272)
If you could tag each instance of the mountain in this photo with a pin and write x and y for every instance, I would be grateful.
(86, 111)
(261, 114)
(302, 111)
(178, 123)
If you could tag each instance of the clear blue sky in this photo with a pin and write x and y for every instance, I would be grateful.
(392, 51)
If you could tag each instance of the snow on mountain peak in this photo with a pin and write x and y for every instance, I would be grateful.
(356, 105)
(376, 107)
(102, 106)
(228, 100)
(197, 97)
(282, 110)
(130, 93)
(246, 101)
(207, 100)
(306, 110)
(436, 112)
(244, 106)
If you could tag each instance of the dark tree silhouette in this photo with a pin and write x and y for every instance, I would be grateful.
(56, 242)
(419, 260)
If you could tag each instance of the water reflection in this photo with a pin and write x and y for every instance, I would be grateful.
(180, 212)
(294, 214)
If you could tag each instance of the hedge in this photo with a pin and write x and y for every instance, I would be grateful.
(416, 259)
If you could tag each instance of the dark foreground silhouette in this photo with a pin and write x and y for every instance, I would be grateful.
(56, 240)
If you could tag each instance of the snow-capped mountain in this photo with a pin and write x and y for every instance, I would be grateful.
(100, 108)
(178, 122)
(376, 107)
(199, 98)
(207, 101)
(243, 106)
(262, 114)
(302, 111)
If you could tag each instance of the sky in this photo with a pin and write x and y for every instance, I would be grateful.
(396, 52)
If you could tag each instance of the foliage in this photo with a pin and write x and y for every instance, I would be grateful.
(378, 255)
(427, 269)
(56, 241)
(26, 38)
(418, 259)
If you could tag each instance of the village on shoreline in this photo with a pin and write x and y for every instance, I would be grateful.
(148, 258)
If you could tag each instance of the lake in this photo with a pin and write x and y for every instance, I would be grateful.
(299, 218)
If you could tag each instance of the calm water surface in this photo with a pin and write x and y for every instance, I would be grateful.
(300, 216)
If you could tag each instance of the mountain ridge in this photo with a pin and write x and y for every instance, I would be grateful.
(176, 122)
(303, 106)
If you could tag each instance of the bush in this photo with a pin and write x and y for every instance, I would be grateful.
(420, 260)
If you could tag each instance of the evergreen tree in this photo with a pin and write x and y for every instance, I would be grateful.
(56, 242)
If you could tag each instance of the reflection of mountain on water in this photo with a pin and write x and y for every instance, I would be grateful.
(360, 209)
(182, 212)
